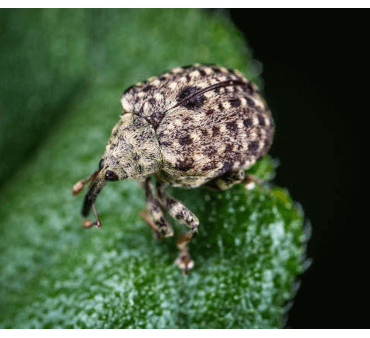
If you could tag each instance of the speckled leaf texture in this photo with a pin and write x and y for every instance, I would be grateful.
(56, 274)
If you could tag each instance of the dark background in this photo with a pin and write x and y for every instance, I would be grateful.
(314, 73)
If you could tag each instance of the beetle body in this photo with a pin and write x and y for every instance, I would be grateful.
(191, 126)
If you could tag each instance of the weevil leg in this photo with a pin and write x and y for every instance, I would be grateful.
(180, 212)
(153, 215)
(227, 180)
(251, 180)
(184, 260)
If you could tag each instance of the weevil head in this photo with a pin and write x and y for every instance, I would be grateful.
(132, 151)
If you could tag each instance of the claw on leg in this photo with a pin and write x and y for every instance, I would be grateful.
(250, 181)
(88, 224)
(184, 260)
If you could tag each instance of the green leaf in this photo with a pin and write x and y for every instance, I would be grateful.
(56, 274)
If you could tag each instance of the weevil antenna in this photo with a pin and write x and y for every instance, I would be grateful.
(80, 185)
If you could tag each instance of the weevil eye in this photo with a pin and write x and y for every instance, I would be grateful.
(111, 176)
(101, 164)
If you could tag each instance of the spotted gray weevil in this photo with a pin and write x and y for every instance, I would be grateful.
(192, 126)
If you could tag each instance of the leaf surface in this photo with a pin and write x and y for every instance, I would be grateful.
(55, 274)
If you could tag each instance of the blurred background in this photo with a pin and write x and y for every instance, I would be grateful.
(313, 63)
(309, 61)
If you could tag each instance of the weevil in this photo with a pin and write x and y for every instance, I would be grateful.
(192, 126)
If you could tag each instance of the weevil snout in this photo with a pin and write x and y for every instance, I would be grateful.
(97, 182)
(96, 185)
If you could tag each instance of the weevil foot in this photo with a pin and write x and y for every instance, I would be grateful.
(250, 181)
(184, 261)
(88, 224)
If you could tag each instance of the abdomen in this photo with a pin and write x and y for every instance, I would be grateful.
(226, 132)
